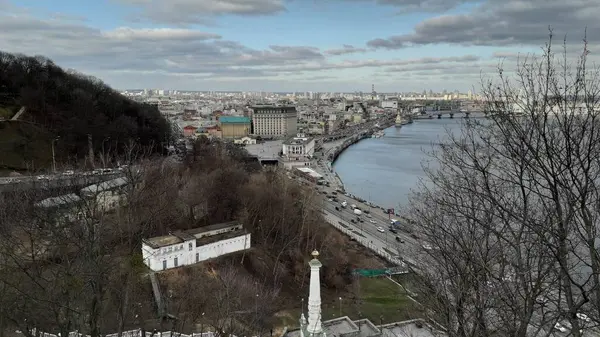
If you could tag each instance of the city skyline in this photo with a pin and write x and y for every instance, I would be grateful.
(287, 46)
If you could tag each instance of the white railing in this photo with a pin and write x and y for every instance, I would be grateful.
(134, 333)
(367, 243)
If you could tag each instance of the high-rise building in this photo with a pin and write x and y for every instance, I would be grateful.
(274, 121)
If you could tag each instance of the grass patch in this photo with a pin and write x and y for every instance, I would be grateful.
(408, 281)
(378, 299)
(24, 146)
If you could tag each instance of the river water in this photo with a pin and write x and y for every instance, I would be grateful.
(385, 170)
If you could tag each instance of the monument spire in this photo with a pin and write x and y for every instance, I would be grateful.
(314, 297)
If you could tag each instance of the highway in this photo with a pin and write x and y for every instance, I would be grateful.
(406, 248)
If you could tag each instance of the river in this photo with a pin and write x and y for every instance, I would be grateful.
(385, 170)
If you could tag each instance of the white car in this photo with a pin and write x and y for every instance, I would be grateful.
(427, 246)
(380, 229)
(559, 327)
(372, 221)
(69, 173)
(583, 317)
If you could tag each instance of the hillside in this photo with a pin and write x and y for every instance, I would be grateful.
(68, 106)
(101, 278)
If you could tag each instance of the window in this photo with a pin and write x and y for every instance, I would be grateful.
(191, 246)
(197, 257)
(164, 264)
(175, 262)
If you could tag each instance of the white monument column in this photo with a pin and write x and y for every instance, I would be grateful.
(314, 296)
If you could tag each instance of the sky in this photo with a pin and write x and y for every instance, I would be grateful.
(295, 45)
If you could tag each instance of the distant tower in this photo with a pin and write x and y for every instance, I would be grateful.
(373, 92)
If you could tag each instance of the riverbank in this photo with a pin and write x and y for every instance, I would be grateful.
(331, 154)
(384, 124)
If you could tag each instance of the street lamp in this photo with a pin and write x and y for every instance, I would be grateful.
(53, 156)
(202, 325)
(103, 155)
(340, 307)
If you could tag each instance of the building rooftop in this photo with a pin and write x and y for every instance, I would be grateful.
(410, 328)
(163, 241)
(234, 120)
(267, 106)
(295, 140)
(310, 172)
(269, 149)
(104, 186)
(344, 326)
(200, 230)
(190, 234)
(59, 201)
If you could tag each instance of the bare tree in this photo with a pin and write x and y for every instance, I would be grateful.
(512, 211)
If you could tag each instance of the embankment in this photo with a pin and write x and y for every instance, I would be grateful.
(357, 138)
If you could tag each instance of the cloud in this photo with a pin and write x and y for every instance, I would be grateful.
(175, 51)
(346, 49)
(356, 64)
(503, 23)
(182, 58)
(200, 11)
(424, 6)
(158, 50)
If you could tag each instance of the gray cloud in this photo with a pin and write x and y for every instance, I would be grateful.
(173, 51)
(346, 49)
(182, 58)
(355, 64)
(425, 6)
(200, 11)
(166, 50)
(503, 23)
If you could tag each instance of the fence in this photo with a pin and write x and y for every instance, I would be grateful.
(136, 333)
(363, 241)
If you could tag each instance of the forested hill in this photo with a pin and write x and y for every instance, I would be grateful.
(69, 106)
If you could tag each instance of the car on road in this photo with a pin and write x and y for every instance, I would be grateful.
(372, 221)
(337, 208)
(69, 172)
(399, 239)
(583, 317)
(380, 229)
(427, 246)
(560, 327)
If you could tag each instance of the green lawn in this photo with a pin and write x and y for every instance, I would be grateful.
(378, 299)
(408, 281)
